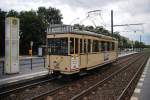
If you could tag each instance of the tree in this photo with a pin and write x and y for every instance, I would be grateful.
(30, 30)
(78, 26)
(49, 15)
(89, 28)
(33, 26)
(12, 13)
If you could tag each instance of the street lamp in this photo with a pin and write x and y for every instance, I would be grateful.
(30, 52)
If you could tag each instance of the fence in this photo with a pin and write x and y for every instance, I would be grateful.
(29, 63)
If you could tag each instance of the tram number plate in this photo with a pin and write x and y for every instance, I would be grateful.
(74, 63)
(106, 56)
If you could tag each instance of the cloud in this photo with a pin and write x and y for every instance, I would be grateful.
(125, 11)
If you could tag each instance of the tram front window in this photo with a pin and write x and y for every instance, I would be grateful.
(58, 46)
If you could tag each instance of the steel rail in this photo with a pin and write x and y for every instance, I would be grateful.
(49, 92)
(26, 86)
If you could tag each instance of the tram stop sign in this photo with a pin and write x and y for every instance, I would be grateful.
(31, 43)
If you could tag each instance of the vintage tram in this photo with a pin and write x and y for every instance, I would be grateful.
(72, 51)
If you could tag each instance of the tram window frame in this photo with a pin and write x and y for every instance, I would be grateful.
(99, 46)
(81, 46)
(89, 46)
(95, 46)
(71, 41)
(56, 46)
(102, 46)
(76, 45)
(113, 46)
(108, 46)
(85, 46)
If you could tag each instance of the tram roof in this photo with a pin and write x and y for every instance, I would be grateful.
(65, 29)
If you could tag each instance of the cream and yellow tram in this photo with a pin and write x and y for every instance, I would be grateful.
(71, 51)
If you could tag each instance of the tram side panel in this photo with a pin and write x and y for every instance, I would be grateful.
(94, 60)
(60, 64)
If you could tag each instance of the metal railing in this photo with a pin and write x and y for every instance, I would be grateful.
(29, 63)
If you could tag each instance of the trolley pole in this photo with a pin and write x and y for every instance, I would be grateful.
(112, 22)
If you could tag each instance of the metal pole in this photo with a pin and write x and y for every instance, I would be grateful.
(3, 68)
(44, 61)
(112, 22)
(31, 63)
(140, 44)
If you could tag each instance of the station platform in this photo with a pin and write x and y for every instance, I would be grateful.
(142, 90)
(26, 73)
(22, 77)
(125, 54)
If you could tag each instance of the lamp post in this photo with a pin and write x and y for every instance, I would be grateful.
(30, 52)
(31, 44)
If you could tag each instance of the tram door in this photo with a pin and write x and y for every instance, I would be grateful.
(74, 52)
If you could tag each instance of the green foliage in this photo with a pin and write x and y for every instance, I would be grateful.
(49, 15)
(138, 44)
(12, 13)
(30, 30)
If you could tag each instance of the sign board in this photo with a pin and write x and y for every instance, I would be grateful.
(57, 28)
(74, 62)
(39, 51)
(31, 43)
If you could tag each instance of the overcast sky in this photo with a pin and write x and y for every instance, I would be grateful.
(75, 11)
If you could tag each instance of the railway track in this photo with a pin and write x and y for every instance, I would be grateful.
(115, 86)
(68, 91)
(55, 90)
(28, 90)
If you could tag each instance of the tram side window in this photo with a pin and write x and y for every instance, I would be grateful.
(102, 46)
(108, 46)
(89, 45)
(76, 45)
(58, 46)
(71, 45)
(85, 46)
(99, 45)
(113, 46)
(81, 46)
(95, 46)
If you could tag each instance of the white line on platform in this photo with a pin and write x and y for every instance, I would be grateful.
(143, 76)
(140, 84)
(144, 73)
(137, 90)
(141, 79)
(12, 81)
(134, 98)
